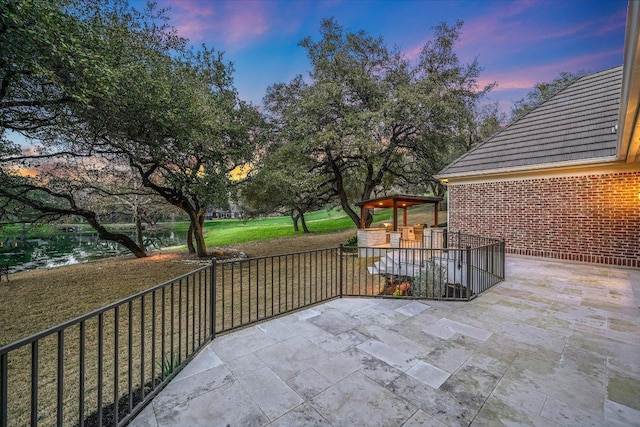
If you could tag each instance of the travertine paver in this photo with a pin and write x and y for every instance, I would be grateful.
(357, 401)
(555, 344)
(270, 392)
(428, 374)
(445, 329)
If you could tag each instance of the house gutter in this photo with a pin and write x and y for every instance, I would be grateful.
(546, 168)
(628, 147)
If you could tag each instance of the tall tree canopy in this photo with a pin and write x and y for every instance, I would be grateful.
(180, 126)
(541, 92)
(52, 60)
(100, 83)
(284, 183)
(366, 115)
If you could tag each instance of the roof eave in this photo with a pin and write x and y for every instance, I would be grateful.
(387, 201)
(628, 146)
(528, 168)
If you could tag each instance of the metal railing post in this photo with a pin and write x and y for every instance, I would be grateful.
(212, 299)
(60, 391)
(469, 281)
(34, 382)
(4, 373)
(341, 265)
(503, 253)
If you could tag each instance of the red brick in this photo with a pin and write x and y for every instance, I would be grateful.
(593, 218)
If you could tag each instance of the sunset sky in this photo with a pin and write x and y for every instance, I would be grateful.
(518, 43)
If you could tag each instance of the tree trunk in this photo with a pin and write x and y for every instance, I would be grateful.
(344, 203)
(90, 216)
(122, 239)
(178, 199)
(304, 223)
(294, 219)
(368, 218)
(138, 222)
(190, 246)
(197, 221)
(342, 193)
(201, 246)
(439, 190)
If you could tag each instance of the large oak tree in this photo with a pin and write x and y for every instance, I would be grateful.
(101, 82)
(51, 62)
(366, 115)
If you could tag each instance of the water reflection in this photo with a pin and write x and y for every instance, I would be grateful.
(71, 248)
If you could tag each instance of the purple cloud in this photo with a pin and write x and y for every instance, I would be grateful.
(231, 23)
(487, 29)
(527, 77)
(516, 27)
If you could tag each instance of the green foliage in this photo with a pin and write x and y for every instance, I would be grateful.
(166, 366)
(541, 92)
(431, 282)
(51, 58)
(283, 183)
(120, 109)
(353, 241)
(366, 117)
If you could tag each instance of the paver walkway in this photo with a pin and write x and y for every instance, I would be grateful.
(554, 344)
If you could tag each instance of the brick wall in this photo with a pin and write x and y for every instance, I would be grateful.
(592, 218)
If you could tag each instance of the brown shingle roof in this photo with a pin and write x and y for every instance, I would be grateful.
(576, 124)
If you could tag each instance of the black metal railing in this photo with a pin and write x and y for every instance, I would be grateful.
(103, 367)
(256, 289)
(100, 368)
(462, 267)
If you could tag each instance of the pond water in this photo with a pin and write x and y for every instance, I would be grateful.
(71, 248)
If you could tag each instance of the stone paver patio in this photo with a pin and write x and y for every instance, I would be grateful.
(555, 344)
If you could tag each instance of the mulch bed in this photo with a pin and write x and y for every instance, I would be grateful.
(453, 291)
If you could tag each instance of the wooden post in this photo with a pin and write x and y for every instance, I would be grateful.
(435, 213)
(395, 215)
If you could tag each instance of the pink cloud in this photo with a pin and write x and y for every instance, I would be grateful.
(191, 18)
(246, 20)
(492, 27)
(498, 25)
(231, 23)
(526, 78)
(613, 22)
(512, 26)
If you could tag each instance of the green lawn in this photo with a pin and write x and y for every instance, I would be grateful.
(221, 232)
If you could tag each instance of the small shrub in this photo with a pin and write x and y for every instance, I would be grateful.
(431, 282)
(166, 366)
(351, 245)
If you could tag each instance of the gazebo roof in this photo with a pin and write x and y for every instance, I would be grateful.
(396, 201)
(401, 201)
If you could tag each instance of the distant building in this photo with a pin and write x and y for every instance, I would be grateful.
(223, 213)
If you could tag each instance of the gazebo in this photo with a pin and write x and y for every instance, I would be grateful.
(402, 201)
